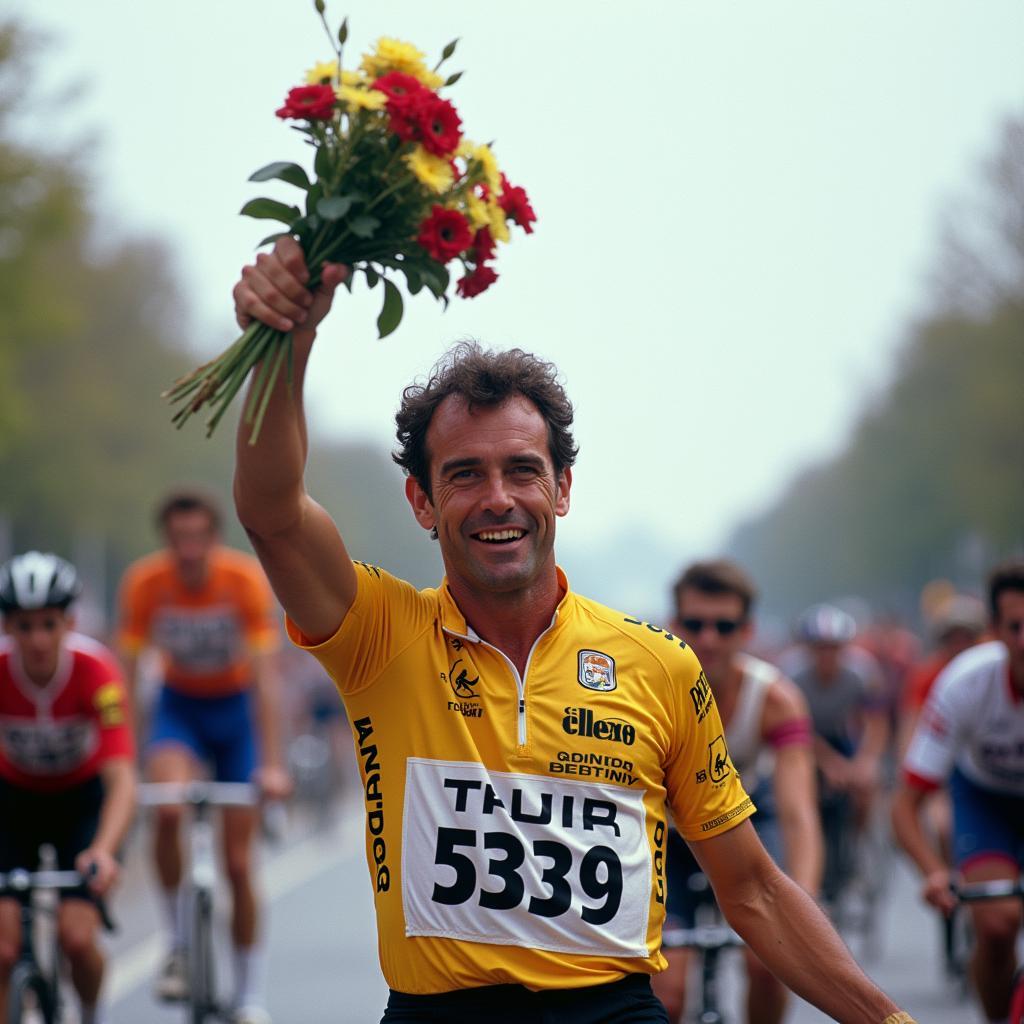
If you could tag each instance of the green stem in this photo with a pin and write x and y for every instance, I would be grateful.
(267, 392)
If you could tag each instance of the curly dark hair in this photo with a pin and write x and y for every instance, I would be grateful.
(718, 576)
(483, 378)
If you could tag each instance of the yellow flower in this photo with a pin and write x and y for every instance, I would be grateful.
(324, 69)
(476, 211)
(499, 229)
(362, 99)
(394, 55)
(433, 171)
(352, 78)
(488, 169)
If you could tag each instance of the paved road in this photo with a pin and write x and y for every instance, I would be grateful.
(322, 948)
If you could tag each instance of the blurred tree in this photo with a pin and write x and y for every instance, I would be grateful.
(932, 482)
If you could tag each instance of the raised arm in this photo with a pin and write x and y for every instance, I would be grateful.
(296, 540)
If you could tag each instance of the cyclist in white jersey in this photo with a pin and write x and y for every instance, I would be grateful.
(768, 733)
(970, 737)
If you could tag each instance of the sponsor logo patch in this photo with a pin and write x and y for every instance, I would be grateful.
(718, 759)
(597, 670)
(583, 722)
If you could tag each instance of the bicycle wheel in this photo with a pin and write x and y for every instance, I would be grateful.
(202, 1000)
(27, 991)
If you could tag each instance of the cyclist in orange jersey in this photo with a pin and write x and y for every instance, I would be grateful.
(208, 610)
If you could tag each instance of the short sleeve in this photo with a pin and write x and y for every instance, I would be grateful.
(933, 747)
(704, 789)
(134, 611)
(108, 705)
(386, 615)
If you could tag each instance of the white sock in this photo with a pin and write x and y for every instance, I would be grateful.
(176, 917)
(248, 962)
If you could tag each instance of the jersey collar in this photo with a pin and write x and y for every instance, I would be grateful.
(454, 622)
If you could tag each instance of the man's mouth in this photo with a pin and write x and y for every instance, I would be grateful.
(504, 536)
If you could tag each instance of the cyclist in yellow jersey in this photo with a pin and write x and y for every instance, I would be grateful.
(518, 742)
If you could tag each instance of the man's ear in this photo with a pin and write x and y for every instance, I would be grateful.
(562, 496)
(422, 507)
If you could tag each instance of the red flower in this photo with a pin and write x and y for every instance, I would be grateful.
(406, 95)
(309, 102)
(483, 245)
(476, 282)
(444, 234)
(516, 204)
(439, 124)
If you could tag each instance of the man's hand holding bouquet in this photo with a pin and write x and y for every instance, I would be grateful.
(397, 191)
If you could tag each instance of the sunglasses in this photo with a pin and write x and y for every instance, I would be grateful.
(723, 627)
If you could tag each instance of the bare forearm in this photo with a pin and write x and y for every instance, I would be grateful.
(790, 934)
(118, 806)
(906, 824)
(269, 474)
(268, 713)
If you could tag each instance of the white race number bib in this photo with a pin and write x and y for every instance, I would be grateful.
(524, 860)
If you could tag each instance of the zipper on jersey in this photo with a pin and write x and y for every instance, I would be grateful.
(520, 680)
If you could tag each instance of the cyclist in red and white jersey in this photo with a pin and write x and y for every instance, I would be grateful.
(970, 737)
(67, 775)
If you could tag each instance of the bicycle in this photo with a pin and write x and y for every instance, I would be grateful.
(201, 1003)
(709, 938)
(977, 892)
(35, 982)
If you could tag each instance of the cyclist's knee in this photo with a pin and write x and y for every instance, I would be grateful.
(238, 866)
(996, 928)
(77, 939)
(168, 820)
(8, 954)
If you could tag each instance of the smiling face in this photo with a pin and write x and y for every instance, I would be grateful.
(494, 494)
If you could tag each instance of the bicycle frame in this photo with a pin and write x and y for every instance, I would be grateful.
(40, 974)
(999, 889)
(709, 940)
(201, 798)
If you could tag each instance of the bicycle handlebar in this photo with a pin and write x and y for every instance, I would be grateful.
(213, 794)
(704, 936)
(20, 882)
(997, 889)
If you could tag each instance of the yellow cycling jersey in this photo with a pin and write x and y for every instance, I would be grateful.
(515, 827)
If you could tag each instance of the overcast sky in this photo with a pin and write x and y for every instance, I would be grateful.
(737, 206)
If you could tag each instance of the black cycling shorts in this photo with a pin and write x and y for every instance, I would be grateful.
(627, 1001)
(67, 820)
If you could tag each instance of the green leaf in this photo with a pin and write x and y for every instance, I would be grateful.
(364, 226)
(452, 79)
(270, 209)
(372, 277)
(449, 49)
(334, 207)
(272, 238)
(435, 277)
(343, 32)
(313, 196)
(413, 277)
(391, 312)
(291, 173)
(322, 162)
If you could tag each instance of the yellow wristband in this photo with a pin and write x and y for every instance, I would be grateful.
(900, 1017)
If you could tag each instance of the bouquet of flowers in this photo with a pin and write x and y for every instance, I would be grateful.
(397, 190)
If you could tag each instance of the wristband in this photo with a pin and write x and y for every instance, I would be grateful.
(899, 1017)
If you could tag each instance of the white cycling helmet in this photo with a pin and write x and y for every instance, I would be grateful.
(826, 624)
(37, 580)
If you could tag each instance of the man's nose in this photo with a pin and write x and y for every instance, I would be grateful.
(498, 497)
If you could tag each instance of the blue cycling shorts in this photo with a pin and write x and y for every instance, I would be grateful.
(986, 824)
(219, 731)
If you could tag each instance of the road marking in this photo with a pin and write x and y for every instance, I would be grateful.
(284, 874)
